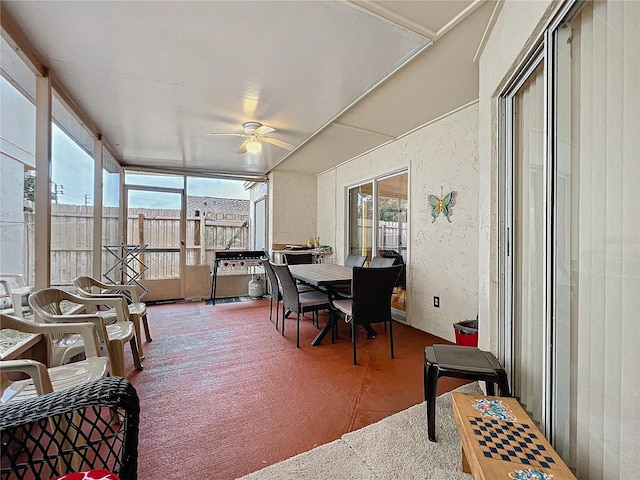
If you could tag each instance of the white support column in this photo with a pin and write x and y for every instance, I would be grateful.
(97, 208)
(43, 183)
(124, 211)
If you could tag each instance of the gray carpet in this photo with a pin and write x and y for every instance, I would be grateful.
(396, 447)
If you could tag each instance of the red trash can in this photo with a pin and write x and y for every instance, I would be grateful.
(466, 333)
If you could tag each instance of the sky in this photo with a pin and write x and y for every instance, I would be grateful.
(72, 174)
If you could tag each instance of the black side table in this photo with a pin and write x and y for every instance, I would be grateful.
(459, 362)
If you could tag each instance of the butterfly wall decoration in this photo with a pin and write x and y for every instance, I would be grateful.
(442, 205)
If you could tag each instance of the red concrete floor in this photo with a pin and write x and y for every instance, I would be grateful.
(223, 394)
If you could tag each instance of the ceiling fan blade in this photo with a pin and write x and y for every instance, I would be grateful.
(278, 143)
(264, 129)
(243, 147)
(229, 134)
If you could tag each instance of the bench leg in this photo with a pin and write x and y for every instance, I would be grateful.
(465, 462)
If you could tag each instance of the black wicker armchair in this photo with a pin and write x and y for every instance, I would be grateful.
(93, 426)
(370, 301)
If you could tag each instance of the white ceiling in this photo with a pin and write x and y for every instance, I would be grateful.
(334, 78)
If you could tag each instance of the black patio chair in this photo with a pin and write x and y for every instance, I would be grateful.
(274, 289)
(298, 302)
(381, 262)
(355, 260)
(370, 301)
(298, 258)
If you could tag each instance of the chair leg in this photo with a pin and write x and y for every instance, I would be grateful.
(270, 308)
(334, 326)
(136, 324)
(136, 356)
(491, 391)
(16, 301)
(282, 326)
(353, 341)
(145, 324)
(431, 386)
(298, 333)
(391, 336)
(116, 357)
(503, 383)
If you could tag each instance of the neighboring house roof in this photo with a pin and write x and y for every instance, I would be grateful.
(217, 205)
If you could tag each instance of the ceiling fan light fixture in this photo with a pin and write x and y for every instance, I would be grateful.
(253, 146)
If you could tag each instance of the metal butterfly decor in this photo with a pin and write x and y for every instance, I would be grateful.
(442, 205)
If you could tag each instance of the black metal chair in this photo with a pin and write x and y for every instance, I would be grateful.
(298, 302)
(274, 289)
(298, 258)
(93, 426)
(355, 260)
(370, 301)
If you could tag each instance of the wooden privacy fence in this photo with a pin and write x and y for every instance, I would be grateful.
(72, 239)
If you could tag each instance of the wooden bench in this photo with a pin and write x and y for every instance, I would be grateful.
(499, 440)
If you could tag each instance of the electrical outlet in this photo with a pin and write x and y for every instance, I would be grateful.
(436, 302)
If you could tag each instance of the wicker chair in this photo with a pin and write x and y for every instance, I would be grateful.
(295, 301)
(355, 260)
(298, 258)
(381, 262)
(370, 301)
(274, 289)
(93, 426)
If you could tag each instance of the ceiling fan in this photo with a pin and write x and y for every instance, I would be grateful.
(255, 133)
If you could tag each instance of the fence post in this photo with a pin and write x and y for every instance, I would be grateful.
(202, 239)
(141, 238)
(196, 237)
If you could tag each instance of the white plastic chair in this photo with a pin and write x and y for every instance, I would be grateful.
(48, 305)
(46, 380)
(16, 288)
(91, 288)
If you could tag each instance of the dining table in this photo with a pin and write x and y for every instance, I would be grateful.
(324, 277)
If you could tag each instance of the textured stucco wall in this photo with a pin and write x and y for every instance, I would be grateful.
(11, 216)
(17, 150)
(442, 255)
(292, 207)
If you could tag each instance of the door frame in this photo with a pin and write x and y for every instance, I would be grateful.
(164, 289)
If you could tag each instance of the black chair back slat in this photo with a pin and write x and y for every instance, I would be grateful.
(371, 290)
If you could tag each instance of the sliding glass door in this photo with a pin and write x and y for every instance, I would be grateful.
(361, 220)
(570, 246)
(393, 204)
(528, 253)
(378, 224)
